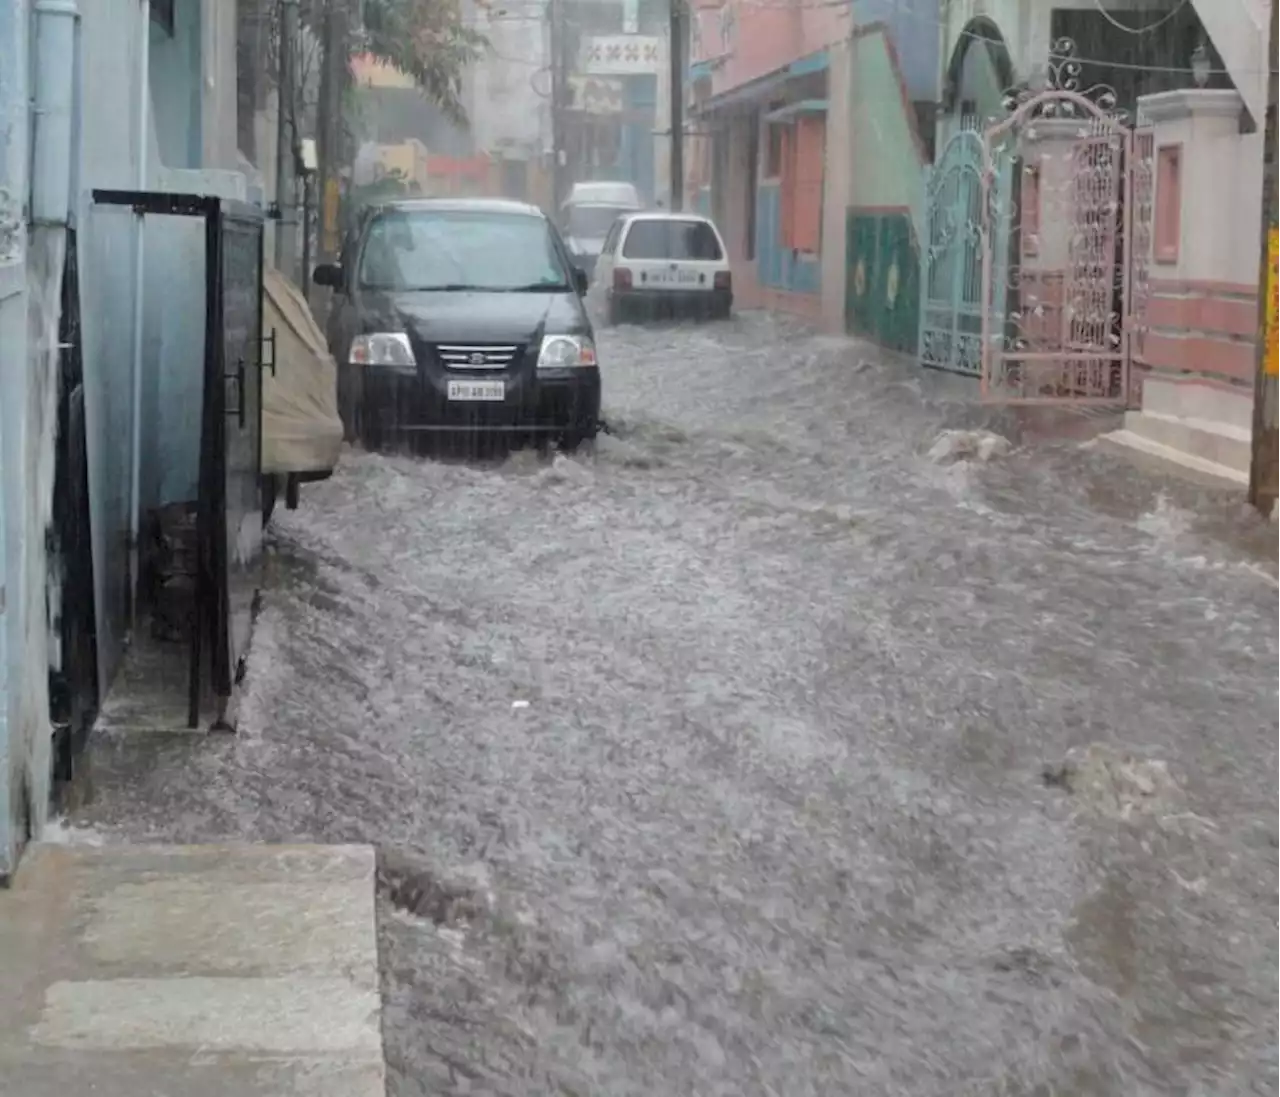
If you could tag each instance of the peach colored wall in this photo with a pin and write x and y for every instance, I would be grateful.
(767, 36)
(1203, 329)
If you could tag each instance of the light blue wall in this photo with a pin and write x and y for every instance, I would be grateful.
(175, 87)
(640, 94)
(173, 287)
(778, 267)
(111, 37)
(13, 399)
(914, 31)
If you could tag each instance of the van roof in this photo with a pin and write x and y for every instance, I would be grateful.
(602, 192)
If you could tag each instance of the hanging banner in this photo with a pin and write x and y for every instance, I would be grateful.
(1271, 355)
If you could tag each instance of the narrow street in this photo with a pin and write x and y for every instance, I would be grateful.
(759, 753)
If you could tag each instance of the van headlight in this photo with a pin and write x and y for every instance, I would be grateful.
(566, 352)
(383, 348)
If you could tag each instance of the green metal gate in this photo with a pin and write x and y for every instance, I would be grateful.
(951, 261)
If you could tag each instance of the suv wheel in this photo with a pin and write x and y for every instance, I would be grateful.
(573, 437)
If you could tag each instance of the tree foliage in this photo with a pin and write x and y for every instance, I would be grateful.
(427, 40)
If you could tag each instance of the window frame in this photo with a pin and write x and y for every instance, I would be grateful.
(688, 220)
(1166, 235)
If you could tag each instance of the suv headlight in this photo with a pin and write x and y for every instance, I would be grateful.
(566, 352)
(383, 349)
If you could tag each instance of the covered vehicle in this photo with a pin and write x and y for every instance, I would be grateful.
(462, 315)
(301, 429)
(589, 213)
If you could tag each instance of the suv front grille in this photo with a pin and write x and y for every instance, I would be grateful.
(476, 356)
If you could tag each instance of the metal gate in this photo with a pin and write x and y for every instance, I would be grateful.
(951, 261)
(73, 677)
(231, 451)
(1056, 253)
(228, 508)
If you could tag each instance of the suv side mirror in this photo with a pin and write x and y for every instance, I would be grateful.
(328, 274)
(581, 282)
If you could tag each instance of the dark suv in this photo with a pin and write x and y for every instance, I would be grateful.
(461, 315)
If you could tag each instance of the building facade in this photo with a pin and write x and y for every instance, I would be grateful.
(101, 315)
(770, 104)
(1165, 95)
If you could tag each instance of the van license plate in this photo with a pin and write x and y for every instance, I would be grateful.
(674, 278)
(478, 390)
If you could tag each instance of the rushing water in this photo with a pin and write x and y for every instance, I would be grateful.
(758, 753)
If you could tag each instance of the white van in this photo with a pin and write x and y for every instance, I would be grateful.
(588, 214)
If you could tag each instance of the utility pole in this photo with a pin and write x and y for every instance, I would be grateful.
(675, 47)
(1266, 443)
(559, 97)
(329, 121)
(286, 242)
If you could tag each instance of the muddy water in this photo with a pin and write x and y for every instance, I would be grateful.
(757, 753)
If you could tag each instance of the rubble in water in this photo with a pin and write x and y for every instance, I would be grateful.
(968, 445)
(1116, 783)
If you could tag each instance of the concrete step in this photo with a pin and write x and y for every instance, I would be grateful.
(1128, 443)
(200, 970)
(1203, 439)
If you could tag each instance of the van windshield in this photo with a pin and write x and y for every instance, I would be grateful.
(592, 222)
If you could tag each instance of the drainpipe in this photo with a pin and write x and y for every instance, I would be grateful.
(53, 94)
(53, 85)
(135, 376)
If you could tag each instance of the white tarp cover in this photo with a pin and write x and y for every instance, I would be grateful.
(301, 430)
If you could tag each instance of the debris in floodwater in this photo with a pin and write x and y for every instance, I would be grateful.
(564, 470)
(416, 889)
(1029, 963)
(968, 445)
(1114, 782)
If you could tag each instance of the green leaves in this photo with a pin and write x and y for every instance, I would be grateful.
(427, 40)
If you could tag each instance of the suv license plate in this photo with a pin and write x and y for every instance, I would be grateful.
(478, 390)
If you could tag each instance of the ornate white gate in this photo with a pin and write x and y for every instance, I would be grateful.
(1066, 200)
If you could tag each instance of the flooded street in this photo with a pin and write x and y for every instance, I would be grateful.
(759, 752)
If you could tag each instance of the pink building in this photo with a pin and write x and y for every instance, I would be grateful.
(762, 77)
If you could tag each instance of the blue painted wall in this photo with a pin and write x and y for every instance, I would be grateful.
(778, 267)
(640, 94)
(913, 29)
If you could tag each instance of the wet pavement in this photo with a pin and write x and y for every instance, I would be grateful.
(759, 753)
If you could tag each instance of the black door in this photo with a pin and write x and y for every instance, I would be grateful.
(73, 677)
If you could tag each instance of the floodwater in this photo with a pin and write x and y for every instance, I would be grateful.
(760, 753)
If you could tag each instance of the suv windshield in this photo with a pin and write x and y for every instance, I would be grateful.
(591, 222)
(408, 250)
(674, 239)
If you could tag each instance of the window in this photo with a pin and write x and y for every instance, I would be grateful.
(673, 239)
(775, 151)
(1030, 211)
(591, 222)
(1168, 213)
(611, 241)
(800, 221)
(458, 249)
